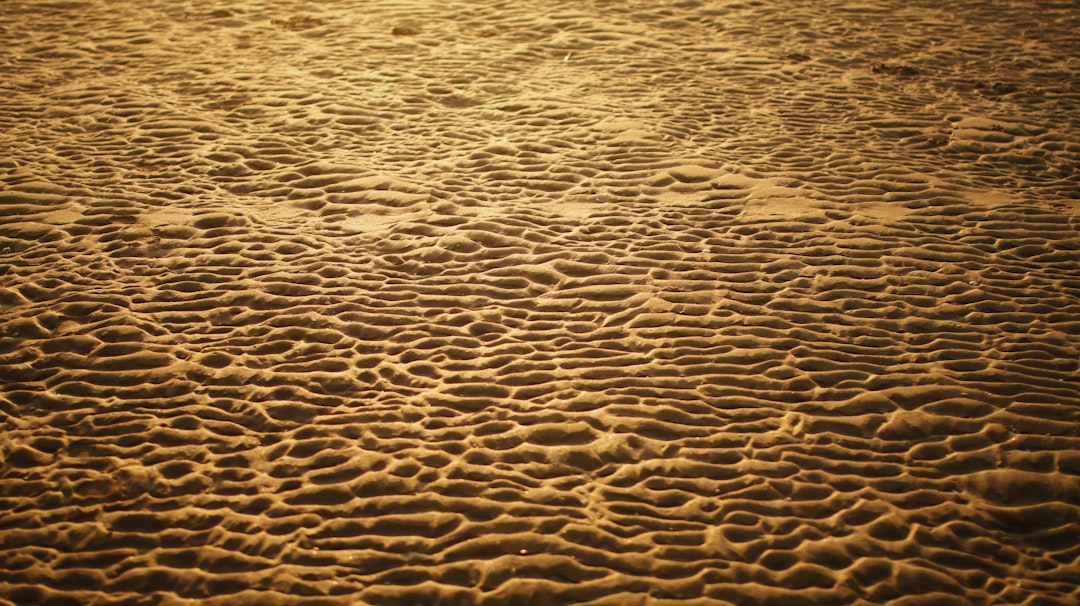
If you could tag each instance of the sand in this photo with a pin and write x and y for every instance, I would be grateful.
(486, 302)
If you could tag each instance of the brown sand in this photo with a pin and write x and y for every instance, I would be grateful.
(409, 302)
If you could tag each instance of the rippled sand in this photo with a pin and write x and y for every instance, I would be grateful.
(404, 302)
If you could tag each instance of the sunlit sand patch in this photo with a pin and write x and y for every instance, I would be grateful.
(376, 220)
(168, 216)
(626, 130)
(579, 209)
(780, 207)
(989, 198)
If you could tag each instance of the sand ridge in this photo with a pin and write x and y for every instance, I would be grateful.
(459, 303)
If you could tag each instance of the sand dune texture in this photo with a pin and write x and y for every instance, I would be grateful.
(485, 302)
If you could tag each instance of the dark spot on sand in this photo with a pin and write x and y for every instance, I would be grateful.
(996, 89)
(297, 22)
(895, 69)
(405, 29)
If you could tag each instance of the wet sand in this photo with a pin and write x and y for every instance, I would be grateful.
(539, 303)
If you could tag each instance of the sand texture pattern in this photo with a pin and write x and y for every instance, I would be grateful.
(481, 302)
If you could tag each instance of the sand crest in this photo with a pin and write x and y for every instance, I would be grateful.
(403, 302)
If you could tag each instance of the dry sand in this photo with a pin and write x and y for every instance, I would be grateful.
(448, 302)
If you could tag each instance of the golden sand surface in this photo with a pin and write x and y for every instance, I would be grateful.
(381, 302)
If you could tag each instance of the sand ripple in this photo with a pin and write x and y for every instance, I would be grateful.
(456, 303)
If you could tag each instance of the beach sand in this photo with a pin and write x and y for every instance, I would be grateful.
(405, 302)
